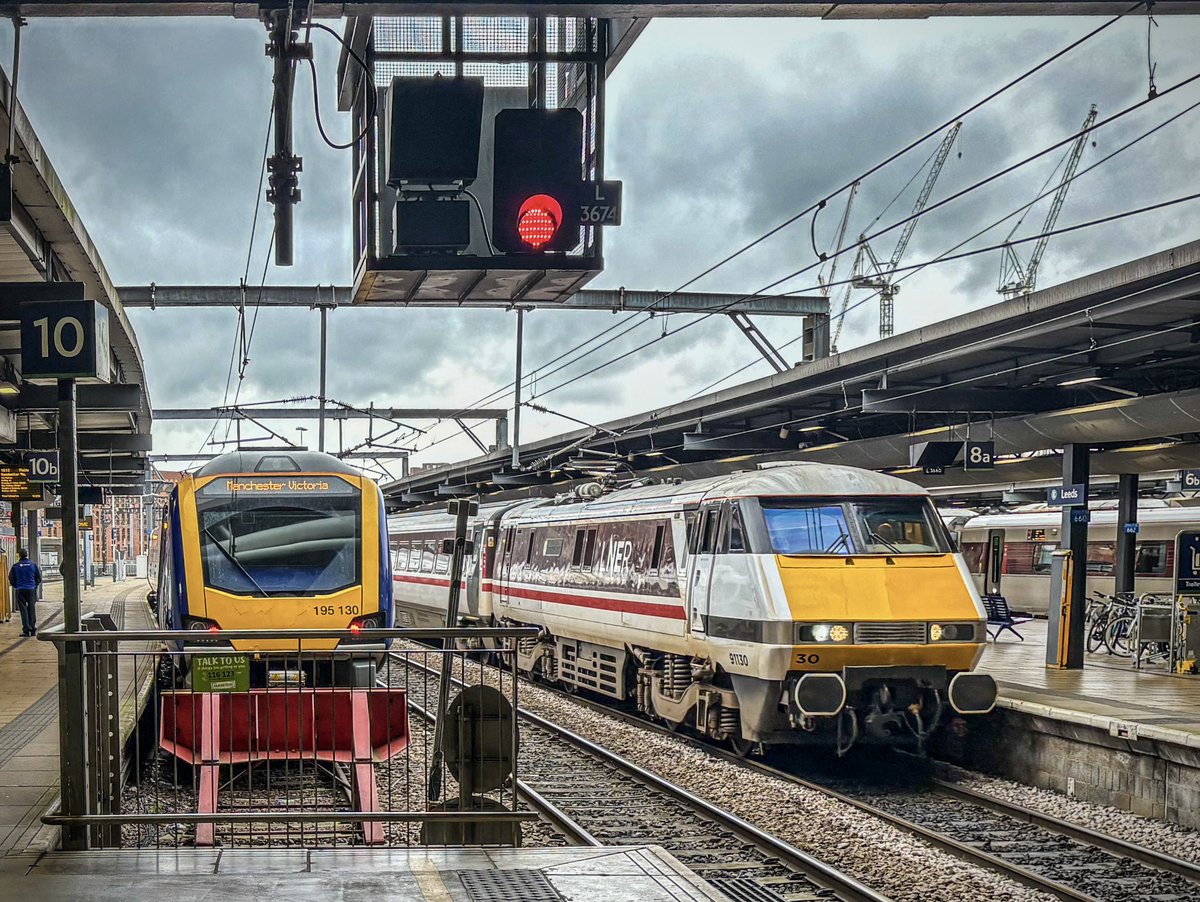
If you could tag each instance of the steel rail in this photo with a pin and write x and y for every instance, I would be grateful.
(933, 837)
(842, 885)
(1189, 870)
(555, 816)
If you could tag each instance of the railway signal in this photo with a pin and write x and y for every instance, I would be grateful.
(538, 186)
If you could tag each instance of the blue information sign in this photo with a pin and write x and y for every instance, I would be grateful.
(1067, 495)
(64, 340)
(1083, 515)
(1187, 563)
(1132, 529)
(1191, 480)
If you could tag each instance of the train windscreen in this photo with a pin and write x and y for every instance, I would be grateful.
(903, 525)
(292, 536)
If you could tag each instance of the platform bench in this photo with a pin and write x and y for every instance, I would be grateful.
(1000, 617)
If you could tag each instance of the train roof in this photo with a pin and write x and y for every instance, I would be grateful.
(803, 479)
(276, 461)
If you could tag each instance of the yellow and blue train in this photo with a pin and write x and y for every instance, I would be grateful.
(273, 540)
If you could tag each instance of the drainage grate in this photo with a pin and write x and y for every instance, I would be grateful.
(743, 889)
(516, 885)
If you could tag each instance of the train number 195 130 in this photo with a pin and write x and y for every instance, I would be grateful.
(328, 610)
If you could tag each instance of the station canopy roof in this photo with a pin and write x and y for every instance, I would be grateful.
(1111, 360)
(45, 241)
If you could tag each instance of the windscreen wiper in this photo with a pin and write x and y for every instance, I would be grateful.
(840, 540)
(876, 537)
(233, 560)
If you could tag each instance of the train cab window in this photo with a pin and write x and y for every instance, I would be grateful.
(901, 526)
(808, 529)
(589, 550)
(1150, 559)
(735, 533)
(693, 520)
(577, 554)
(656, 555)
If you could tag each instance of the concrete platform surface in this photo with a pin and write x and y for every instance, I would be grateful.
(29, 708)
(1107, 693)
(633, 874)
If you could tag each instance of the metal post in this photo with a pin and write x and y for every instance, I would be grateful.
(9, 156)
(324, 347)
(516, 419)
(71, 708)
(1076, 458)
(32, 542)
(1127, 513)
(283, 165)
(18, 523)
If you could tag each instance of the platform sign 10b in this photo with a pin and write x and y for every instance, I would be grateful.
(979, 455)
(64, 340)
(42, 466)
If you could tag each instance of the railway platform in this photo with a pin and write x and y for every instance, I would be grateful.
(29, 770)
(631, 874)
(1107, 733)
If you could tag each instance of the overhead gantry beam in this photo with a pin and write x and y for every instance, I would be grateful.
(611, 301)
(331, 413)
(842, 9)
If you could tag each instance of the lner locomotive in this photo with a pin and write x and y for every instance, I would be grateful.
(268, 540)
(795, 604)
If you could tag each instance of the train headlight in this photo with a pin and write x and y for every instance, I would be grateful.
(825, 633)
(952, 632)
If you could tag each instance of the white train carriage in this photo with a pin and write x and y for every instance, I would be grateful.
(1010, 553)
(799, 603)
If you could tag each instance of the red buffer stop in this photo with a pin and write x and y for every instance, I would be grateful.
(538, 220)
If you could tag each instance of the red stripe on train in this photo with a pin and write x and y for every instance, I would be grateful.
(645, 608)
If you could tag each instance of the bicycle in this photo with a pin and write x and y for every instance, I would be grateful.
(1106, 622)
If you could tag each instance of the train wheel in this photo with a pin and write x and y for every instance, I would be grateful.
(743, 748)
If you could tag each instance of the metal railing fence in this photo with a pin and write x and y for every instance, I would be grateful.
(191, 741)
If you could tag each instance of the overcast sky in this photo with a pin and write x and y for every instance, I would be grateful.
(720, 129)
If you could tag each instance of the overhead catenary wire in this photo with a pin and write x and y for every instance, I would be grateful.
(370, 89)
(638, 316)
(863, 239)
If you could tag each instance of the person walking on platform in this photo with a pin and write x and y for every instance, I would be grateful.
(25, 577)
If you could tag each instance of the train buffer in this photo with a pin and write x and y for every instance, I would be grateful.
(355, 727)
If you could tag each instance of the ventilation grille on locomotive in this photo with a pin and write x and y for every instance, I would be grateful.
(889, 633)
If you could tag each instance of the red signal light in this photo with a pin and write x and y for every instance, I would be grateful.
(538, 220)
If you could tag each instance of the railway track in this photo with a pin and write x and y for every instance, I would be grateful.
(1061, 859)
(604, 799)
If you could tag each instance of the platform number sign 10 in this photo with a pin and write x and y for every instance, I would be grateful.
(979, 455)
(64, 340)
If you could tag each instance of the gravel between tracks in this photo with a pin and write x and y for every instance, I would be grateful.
(884, 858)
(1171, 839)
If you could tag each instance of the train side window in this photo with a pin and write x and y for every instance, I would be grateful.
(589, 551)
(1150, 559)
(529, 547)
(552, 547)
(443, 559)
(577, 554)
(737, 534)
(427, 556)
(660, 532)
(712, 523)
(401, 562)
(693, 520)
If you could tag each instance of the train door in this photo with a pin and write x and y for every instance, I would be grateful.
(993, 562)
(474, 572)
(700, 564)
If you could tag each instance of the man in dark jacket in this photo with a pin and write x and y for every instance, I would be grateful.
(25, 577)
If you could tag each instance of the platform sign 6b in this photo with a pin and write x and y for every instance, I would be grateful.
(64, 340)
(979, 455)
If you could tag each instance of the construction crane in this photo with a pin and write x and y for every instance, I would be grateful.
(839, 315)
(869, 272)
(1017, 278)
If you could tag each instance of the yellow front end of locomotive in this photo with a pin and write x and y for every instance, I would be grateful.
(882, 610)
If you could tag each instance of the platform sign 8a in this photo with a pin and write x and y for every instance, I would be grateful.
(979, 455)
(65, 340)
